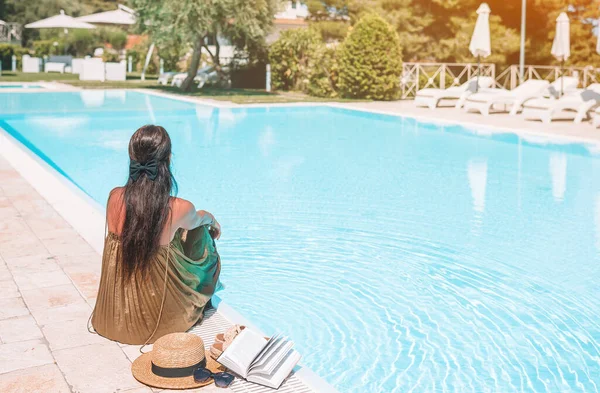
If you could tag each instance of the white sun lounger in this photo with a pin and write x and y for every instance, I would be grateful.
(164, 78)
(179, 78)
(596, 120)
(490, 99)
(431, 98)
(581, 102)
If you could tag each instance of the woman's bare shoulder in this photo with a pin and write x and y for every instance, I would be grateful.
(181, 206)
(115, 195)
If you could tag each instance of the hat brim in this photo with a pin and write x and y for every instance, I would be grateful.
(142, 371)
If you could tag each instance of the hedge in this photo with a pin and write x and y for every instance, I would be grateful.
(6, 53)
(370, 61)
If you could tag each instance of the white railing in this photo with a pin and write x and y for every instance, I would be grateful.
(417, 76)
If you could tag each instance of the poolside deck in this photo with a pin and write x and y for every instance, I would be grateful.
(562, 128)
(49, 276)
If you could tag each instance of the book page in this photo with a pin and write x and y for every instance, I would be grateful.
(272, 359)
(280, 373)
(272, 341)
(242, 351)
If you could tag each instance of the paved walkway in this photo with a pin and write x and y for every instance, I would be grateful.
(49, 276)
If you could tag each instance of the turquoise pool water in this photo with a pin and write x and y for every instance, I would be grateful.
(20, 86)
(401, 256)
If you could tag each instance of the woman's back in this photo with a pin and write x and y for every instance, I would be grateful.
(160, 265)
(115, 215)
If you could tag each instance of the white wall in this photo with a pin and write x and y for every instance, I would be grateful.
(300, 12)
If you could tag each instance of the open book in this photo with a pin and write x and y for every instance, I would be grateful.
(258, 360)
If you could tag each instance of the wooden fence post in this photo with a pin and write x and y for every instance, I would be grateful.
(443, 77)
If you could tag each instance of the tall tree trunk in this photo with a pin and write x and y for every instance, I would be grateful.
(194, 64)
(216, 58)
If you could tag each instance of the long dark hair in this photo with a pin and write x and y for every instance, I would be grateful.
(147, 208)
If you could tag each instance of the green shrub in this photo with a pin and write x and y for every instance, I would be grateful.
(140, 51)
(110, 57)
(135, 58)
(324, 74)
(47, 48)
(171, 54)
(80, 42)
(290, 57)
(117, 39)
(370, 61)
(6, 53)
(114, 36)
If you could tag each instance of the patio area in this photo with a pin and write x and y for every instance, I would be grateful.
(48, 281)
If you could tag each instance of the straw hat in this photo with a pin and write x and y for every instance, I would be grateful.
(175, 356)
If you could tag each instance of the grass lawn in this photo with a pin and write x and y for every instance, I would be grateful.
(237, 96)
(8, 76)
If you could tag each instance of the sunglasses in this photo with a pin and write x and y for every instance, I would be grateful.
(222, 380)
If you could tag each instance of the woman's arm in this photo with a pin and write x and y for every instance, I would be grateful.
(191, 219)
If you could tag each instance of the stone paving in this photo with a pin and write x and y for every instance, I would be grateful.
(49, 276)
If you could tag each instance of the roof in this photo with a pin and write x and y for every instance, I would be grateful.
(299, 22)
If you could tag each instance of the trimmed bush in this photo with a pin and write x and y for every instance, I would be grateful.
(324, 74)
(80, 42)
(6, 53)
(110, 56)
(290, 57)
(370, 61)
(47, 48)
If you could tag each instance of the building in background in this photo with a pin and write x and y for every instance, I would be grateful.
(292, 17)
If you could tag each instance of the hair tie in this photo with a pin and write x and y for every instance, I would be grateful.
(136, 169)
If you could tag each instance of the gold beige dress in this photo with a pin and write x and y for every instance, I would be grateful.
(127, 310)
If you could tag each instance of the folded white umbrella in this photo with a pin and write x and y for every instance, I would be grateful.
(60, 21)
(480, 45)
(561, 46)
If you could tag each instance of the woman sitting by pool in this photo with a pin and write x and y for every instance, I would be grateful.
(160, 265)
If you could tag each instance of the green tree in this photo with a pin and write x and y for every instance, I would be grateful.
(411, 20)
(292, 57)
(440, 30)
(324, 75)
(505, 42)
(244, 23)
(543, 28)
(370, 60)
(330, 18)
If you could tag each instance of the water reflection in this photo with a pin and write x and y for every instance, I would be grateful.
(61, 126)
(558, 172)
(92, 98)
(477, 173)
(118, 95)
(266, 140)
(150, 108)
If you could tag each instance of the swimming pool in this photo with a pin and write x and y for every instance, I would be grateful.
(399, 255)
(18, 86)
